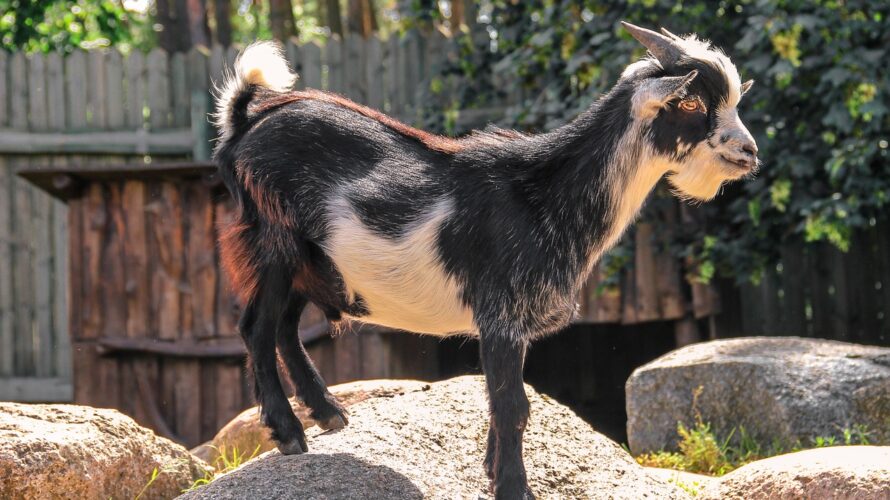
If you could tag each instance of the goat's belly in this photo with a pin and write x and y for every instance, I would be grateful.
(401, 281)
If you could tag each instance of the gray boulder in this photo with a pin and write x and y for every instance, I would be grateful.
(429, 443)
(781, 389)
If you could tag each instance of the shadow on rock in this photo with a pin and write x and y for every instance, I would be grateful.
(311, 475)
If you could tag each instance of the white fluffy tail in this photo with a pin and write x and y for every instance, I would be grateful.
(261, 64)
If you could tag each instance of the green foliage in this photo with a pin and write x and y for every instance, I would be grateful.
(45, 25)
(819, 109)
(701, 451)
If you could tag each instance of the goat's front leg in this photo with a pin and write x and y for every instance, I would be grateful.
(502, 360)
(258, 326)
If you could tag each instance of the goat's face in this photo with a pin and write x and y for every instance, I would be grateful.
(685, 99)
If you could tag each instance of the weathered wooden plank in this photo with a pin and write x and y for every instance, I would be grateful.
(374, 71)
(4, 88)
(114, 90)
(311, 66)
(391, 66)
(55, 91)
(114, 142)
(166, 238)
(136, 82)
(228, 388)
(882, 251)
(181, 110)
(333, 53)
(135, 248)
(794, 289)
(158, 89)
(647, 304)
(37, 115)
(347, 357)
(36, 390)
(199, 101)
(44, 345)
(94, 218)
(7, 312)
(61, 296)
(97, 90)
(375, 356)
(113, 278)
(76, 90)
(18, 92)
(354, 68)
(202, 271)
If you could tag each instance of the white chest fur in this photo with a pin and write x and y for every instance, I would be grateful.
(401, 280)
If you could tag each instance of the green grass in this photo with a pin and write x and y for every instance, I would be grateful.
(224, 463)
(702, 452)
(227, 461)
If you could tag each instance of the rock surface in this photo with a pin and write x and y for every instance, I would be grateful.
(842, 472)
(245, 433)
(777, 388)
(430, 444)
(68, 451)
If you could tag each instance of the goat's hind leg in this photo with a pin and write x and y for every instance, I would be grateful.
(259, 324)
(311, 388)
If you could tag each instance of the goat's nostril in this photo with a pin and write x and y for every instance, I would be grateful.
(751, 149)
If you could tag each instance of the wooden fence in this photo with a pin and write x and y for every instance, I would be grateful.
(818, 291)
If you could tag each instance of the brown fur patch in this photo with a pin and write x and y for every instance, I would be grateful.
(267, 202)
(237, 261)
(435, 142)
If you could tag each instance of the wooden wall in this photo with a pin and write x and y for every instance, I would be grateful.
(818, 291)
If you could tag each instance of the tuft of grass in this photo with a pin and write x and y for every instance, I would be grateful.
(702, 452)
(225, 462)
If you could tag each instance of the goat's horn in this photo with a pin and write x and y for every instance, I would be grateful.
(665, 32)
(663, 48)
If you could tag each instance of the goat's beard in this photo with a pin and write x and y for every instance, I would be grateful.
(701, 175)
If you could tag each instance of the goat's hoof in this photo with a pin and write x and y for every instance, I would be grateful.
(517, 492)
(292, 447)
(333, 422)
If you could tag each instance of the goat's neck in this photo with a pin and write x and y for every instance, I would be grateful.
(597, 180)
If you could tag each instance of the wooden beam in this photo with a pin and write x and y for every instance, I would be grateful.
(108, 346)
(130, 142)
(36, 390)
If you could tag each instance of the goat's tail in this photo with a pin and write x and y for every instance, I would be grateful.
(260, 65)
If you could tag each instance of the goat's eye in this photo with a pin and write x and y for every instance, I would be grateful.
(691, 105)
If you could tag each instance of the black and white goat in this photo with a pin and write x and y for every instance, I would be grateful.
(489, 235)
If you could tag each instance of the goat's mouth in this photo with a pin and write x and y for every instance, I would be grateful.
(741, 166)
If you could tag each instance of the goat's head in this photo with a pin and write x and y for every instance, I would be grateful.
(685, 98)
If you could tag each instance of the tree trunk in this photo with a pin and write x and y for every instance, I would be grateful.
(170, 32)
(223, 16)
(457, 15)
(281, 20)
(362, 19)
(198, 30)
(335, 17)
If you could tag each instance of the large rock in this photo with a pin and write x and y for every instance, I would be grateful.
(844, 472)
(781, 389)
(430, 444)
(68, 451)
(246, 434)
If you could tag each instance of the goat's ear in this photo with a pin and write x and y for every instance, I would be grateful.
(747, 86)
(654, 94)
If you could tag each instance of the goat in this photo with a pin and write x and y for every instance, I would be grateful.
(490, 235)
